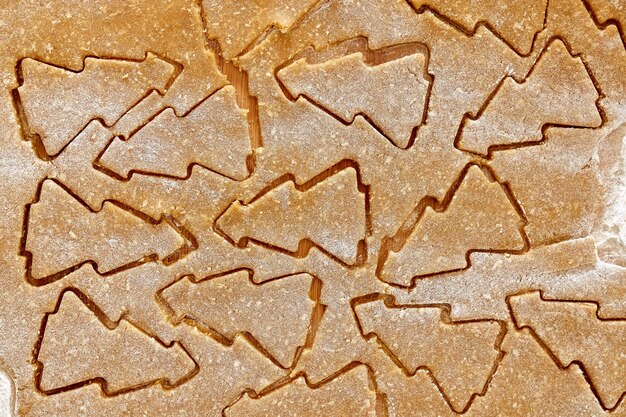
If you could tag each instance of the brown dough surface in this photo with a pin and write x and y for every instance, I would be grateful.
(313, 208)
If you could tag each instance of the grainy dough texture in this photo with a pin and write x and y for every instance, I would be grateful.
(276, 208)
